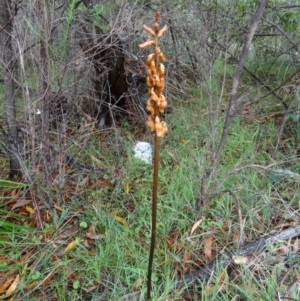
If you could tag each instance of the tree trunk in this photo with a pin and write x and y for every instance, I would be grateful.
(6, 63)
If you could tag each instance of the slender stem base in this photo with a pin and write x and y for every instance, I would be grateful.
(154, 211)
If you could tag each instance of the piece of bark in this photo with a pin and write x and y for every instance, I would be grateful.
(250, 250)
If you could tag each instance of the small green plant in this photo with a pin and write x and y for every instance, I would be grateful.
(156, 105)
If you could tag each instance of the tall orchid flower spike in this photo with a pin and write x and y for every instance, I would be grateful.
(156, 105)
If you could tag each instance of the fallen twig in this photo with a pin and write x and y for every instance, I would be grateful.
(250, 251)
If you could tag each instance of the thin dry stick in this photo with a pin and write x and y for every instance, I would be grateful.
(287, 80)
(280, 132)
(14, 13)
(231, 110)
(156, 105)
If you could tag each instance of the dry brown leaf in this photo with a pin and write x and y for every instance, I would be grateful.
(47, 234)
(31, 285)
(283, 250)
(92, 287)
(170, 242)
(235, 236)
(186, 256)
(48, 278)
(195, 226)
(21, 203)
(285, 225)
(213, 289)
(72, 244)
(3, 258)
(101, 183)
(12, 288)
(225, 226)
(7, 283)
(25, 257)
(84, 182)
(128, 188)
(239, 259)
(178, 267)
(15, 193)
(58, 208)
(30, 210)
(121, 220)
(296, 246)
(222, 281)
(94, 236)
(173, 243)
(208, 243)
(87, 117)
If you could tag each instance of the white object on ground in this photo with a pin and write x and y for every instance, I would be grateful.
(143, 151)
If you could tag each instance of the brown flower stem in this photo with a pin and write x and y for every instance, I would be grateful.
(154, 191)
(155, 184)
(154, 214)
(155, 106)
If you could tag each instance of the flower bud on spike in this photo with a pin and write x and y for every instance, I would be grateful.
(147, 44)
(163, 104)
(149, 82)
(150, 124)
(164, 128)
(154, 97)
(162, 57)
(157, 51)
(149, 60)
(162, 70)
(157, 17)
(160, 84)
(155, 80)
(158, 125)
(150, 108)
(161, 32)
(153, 70)
(149, 30)
(159, 134)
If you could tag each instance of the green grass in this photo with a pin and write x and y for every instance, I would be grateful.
(114, 265)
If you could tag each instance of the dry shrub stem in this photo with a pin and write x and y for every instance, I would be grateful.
(233, 99)
(13, 14)
(280, 132)
(287, 80)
